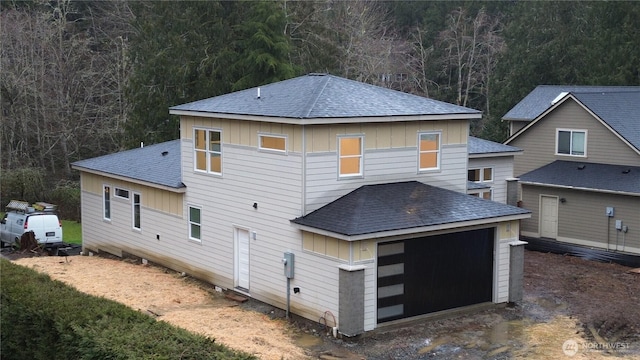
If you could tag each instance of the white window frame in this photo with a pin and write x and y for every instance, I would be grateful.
(117, 189)
(482, 172)
(137, 204)
(191, 237)
(479, 193)
(267, 149)
(106, 202)
(206, 150)
(438, 151)
(571, 132)
(360, 174)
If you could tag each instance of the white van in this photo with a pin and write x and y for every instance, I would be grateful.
(21, 218)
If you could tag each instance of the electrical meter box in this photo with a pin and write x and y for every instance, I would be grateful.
(288, 261)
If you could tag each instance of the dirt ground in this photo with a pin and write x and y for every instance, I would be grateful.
(572, 308)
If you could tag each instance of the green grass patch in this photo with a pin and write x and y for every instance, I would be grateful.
(41, 318)
(71, 232)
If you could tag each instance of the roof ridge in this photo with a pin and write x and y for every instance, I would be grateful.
(307, 112)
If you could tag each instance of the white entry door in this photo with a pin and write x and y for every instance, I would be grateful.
(242, 259)
(548, 216)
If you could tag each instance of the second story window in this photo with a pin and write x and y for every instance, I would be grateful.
(208, 151)
(350, 149)
(429, 151)
(276, 143)
(122, 193)
(571, 142)
(480, 175)
(136, 208)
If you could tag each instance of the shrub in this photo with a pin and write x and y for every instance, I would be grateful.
(45, 319)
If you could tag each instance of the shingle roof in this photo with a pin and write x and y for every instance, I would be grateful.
(539, 100)
(156, 164)
(399, 206)
(593, 176)
(620, 110)
(481, 146)
(323, 96)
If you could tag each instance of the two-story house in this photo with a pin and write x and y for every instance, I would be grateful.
(580, 170)
(361, 189)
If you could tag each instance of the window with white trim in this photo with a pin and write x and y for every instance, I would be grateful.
(106, 203)
(350, 150)
(480, 174)
(268, 142)
(135, 209)
(428, 151)
(122, 193)
(571, 142)
(195, 223)
(207, 146)
(485, 194)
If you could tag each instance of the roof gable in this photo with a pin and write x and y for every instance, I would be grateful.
(542, 97)
(401, 206)
(157, 164)
(619, 111)
(322, 96)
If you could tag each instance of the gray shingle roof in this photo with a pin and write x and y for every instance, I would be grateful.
(157, 164)
(593, 176)
(323, 96)
(399, 206)
(539, 100)
(481, 146)
(620, 110)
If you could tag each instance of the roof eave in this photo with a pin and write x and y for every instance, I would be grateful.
(495, 154)
(328, 120)
(606, 191)
(413, 231)
(179, 190)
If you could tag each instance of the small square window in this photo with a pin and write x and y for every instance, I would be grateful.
(122, 193)
(571, 142)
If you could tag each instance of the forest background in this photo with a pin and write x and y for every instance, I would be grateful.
(80, 79)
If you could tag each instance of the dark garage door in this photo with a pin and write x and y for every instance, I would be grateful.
(434, 273)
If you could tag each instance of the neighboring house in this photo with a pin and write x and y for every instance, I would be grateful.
(361, 189)
(580, 170)
(490, 169)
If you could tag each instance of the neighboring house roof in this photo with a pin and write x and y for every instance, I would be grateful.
(403, 207)
(322, 97)
(157, 164)
(478, 147)
(541, 98)
(586, 176)
(618, 110)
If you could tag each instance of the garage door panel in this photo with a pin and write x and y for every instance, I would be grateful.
(440, 272)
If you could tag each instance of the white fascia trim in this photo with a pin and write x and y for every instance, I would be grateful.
(533, 183)
(181, 190)
(495, 154)
(321, 121)
(420, 230)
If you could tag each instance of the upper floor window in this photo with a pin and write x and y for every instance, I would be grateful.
(272, 142)
(122, 193)
(208, 150)
(571, 142)
(429, 151)
(350, 149)
(195, 224)
(486, 194)
(480, 175)
(106, 203)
